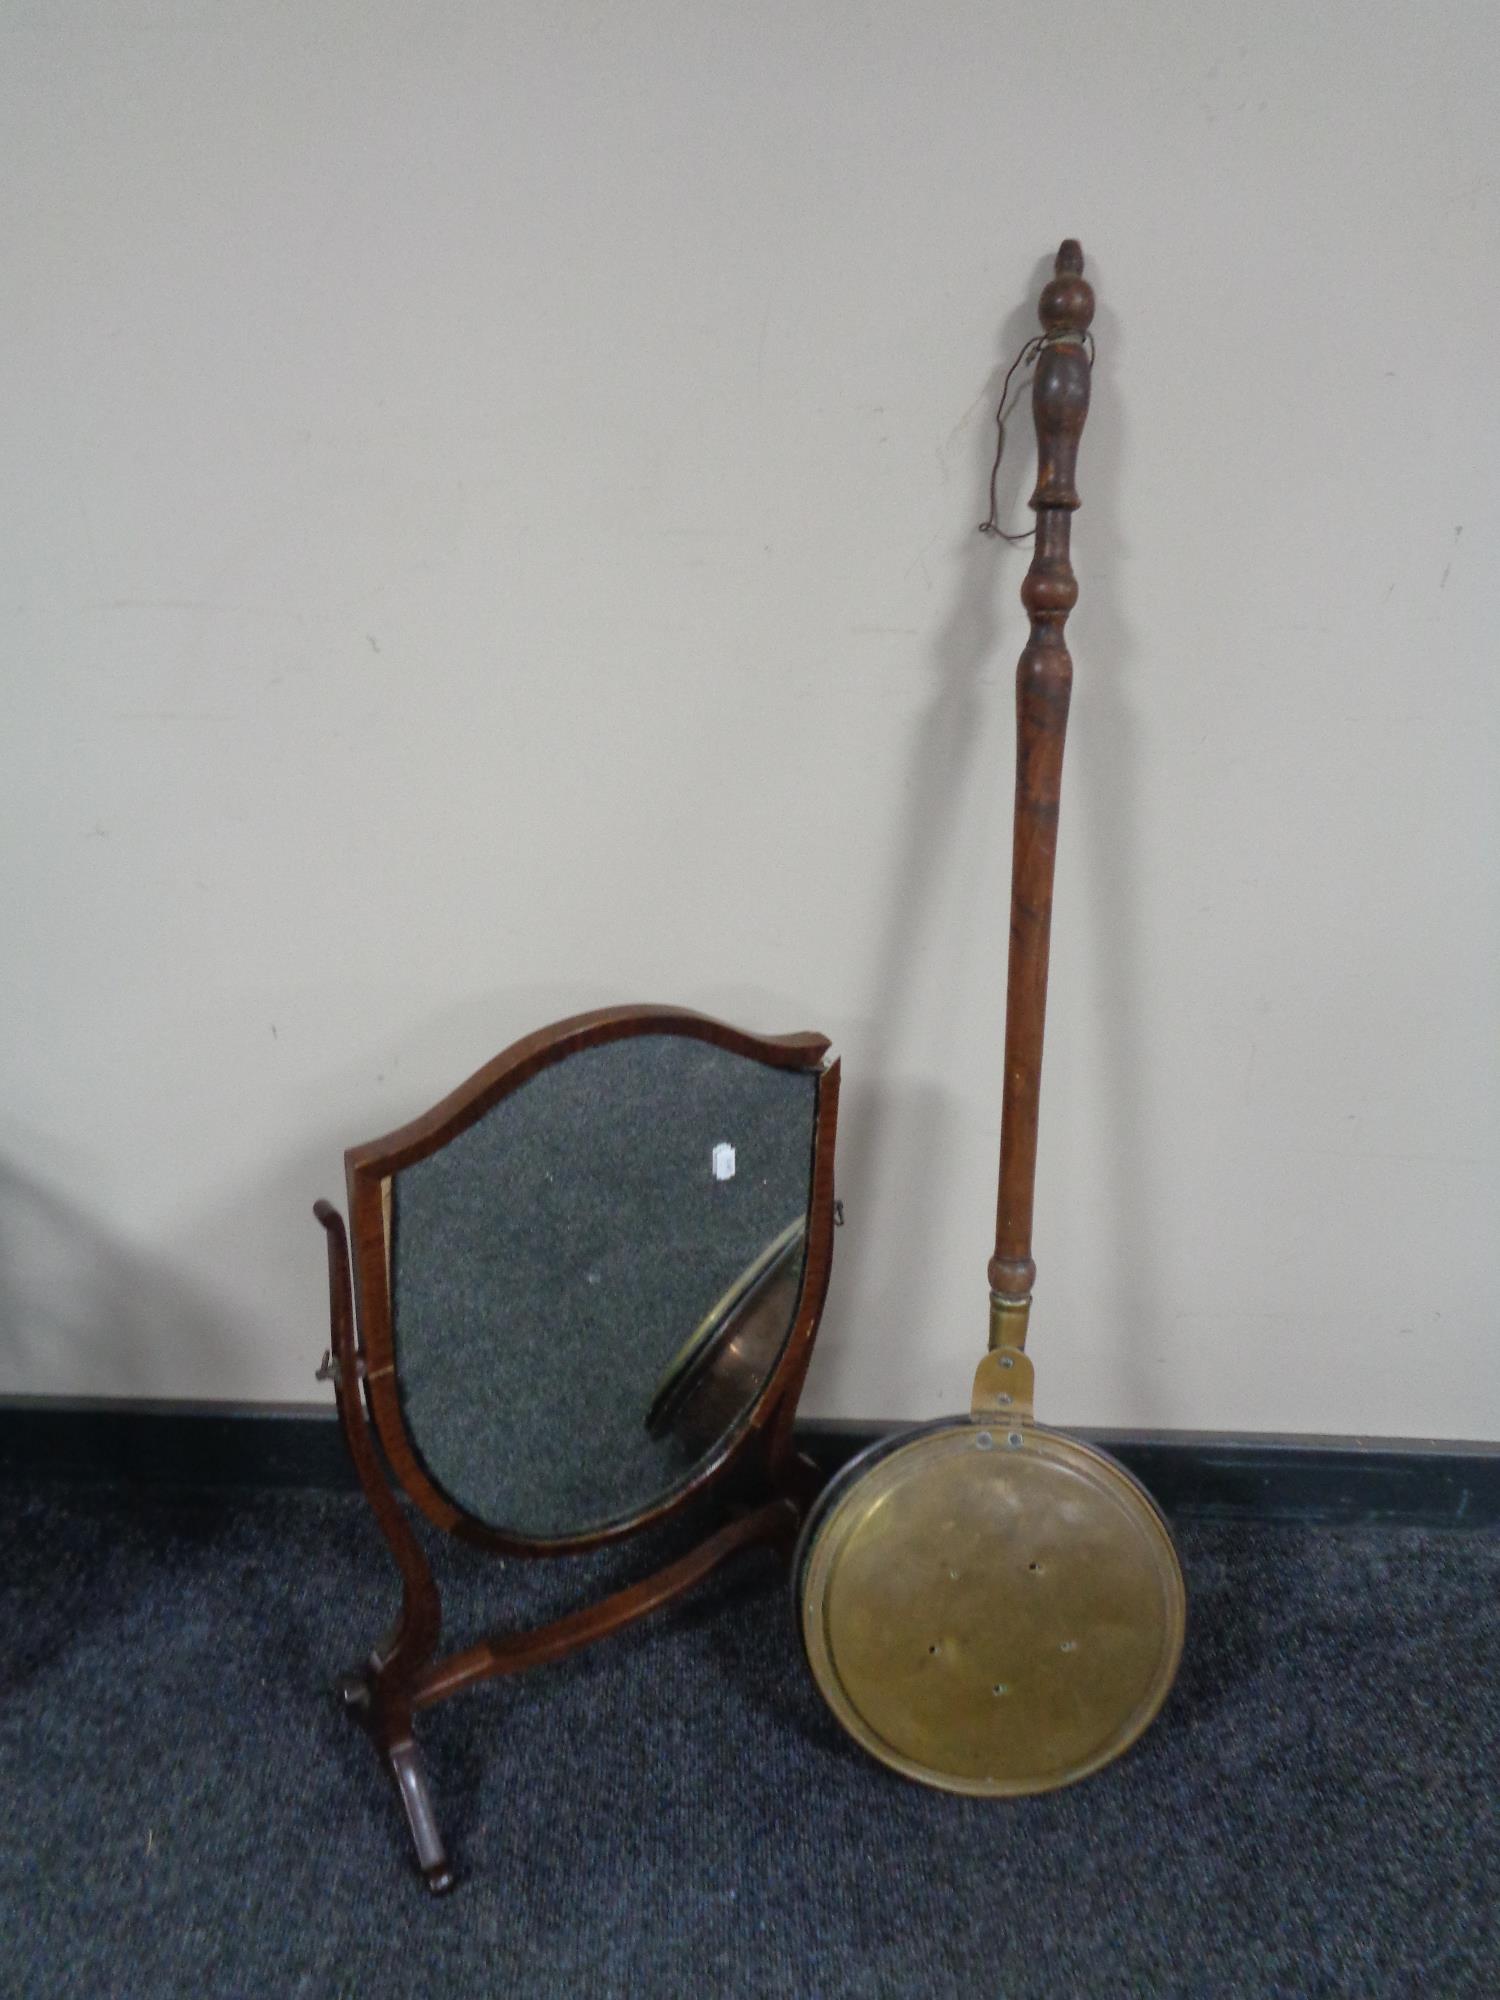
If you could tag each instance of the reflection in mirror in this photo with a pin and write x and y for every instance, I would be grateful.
(730, 1353)
(592, 1283)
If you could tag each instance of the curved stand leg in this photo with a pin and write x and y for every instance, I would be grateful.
(391, 1734)
(377, 1696)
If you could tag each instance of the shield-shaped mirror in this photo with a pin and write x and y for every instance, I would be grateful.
(584, 1285)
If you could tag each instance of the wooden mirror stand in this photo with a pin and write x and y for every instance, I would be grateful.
(762, 1487)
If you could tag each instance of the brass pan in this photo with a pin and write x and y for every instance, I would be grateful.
(990, 1607)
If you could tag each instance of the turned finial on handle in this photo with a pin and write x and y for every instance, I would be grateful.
(1060, 397)
(1067, 302)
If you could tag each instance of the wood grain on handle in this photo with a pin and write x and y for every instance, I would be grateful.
(1044, 680)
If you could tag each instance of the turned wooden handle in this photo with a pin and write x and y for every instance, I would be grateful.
(1044, 680)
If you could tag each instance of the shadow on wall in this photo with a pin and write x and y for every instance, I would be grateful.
(81, 1314)
(893, 1137)
(1105, 792)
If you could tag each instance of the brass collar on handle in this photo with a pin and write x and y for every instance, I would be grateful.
(1008, 1320)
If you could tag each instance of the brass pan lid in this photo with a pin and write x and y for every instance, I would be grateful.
(991, 1611)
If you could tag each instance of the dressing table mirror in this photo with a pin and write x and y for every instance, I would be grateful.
(582, 1296)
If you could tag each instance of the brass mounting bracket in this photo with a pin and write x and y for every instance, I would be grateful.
(1004, 1386)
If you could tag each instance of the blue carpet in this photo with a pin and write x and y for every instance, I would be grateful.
(186, 1812)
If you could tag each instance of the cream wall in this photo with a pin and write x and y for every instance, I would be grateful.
(486, 528)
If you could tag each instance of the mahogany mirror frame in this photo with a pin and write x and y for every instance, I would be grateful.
(755, 1469)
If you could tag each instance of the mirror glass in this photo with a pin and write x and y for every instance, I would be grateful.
(591, 1284)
